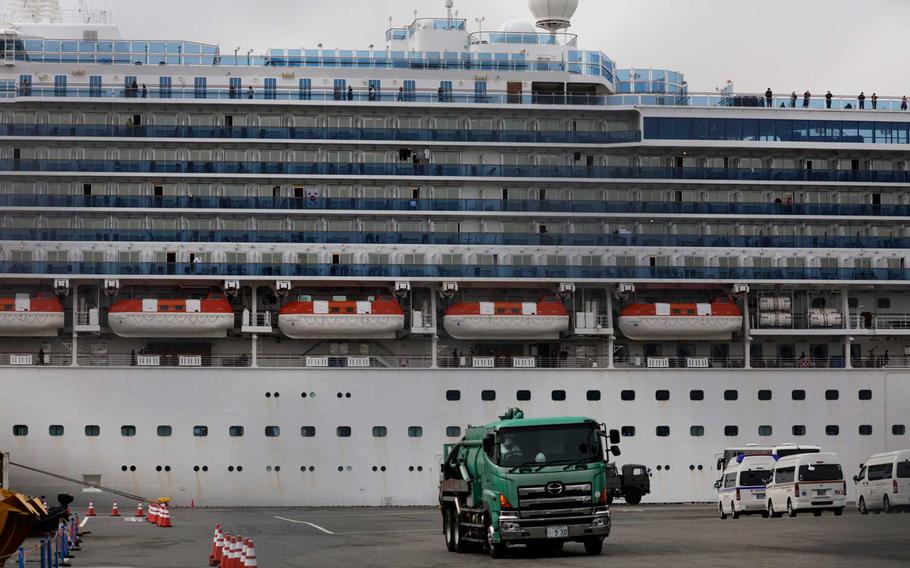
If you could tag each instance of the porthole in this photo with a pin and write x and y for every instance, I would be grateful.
(158, 468)
(303, 395)
(666, 468)
(205, 468)
(340, 468)
(865, 394)
(347, 395)
(627, 431)
(662, 395)
(303, 468)
(132, 468)
(627, 395)
(312, 468)
(731, 431)
(663, 431)
(230, 468)
(659, 468)
(382, 468)
(268, 468)
(487, 395)
(700, 467)
(558, 395)
(592, 395)
(339, 395)
(691, 468)
(239, 468)
(276, 395)
(123, 468)
(411, 468)
(195, 468)
(419, 468)
(865, 430)
(523, 395)
(277, 468)
(731, 395)
(348, 468)
(268, 395)
(167, 468)
(764, 395)
(375, 468)
(453, 395)
(453, 431)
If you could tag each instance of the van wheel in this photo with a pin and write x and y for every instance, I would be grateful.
(764, 514)
(735, 515)
(791, 512)
(862, 507)
(886, 505)
(838, 512)
(720, 507)
(771, 512)
(817, 513)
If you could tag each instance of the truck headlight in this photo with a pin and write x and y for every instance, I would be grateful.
(509, 527)
(599, 522)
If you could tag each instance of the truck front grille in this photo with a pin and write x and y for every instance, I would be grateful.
(555, 500)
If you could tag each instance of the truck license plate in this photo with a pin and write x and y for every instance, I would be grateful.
(557, 532)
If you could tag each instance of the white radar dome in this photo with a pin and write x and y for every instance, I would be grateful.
(553, 15)
(518, 27)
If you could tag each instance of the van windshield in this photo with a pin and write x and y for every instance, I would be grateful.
(754, 478)
(903, 469)
(821, 472)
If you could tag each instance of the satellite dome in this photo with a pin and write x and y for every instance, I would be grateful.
(518, 27)
(553, 15)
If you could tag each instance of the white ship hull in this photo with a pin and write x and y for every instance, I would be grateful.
(319, 326)
(643, 328)
(220, 398)
(30, 324)
(505, 327)
(170, 325)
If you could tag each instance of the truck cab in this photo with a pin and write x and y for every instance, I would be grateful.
(539, 482)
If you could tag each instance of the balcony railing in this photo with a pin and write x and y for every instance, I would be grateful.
(455, 205)
(304, 133)
(422, 238)
(450, 170)
(218, 269)
(675, 362)
(880, 321)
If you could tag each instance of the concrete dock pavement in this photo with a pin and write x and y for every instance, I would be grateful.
(649, 536)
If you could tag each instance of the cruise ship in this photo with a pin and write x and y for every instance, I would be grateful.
(290, 278)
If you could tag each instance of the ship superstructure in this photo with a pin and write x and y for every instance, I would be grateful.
(234, 278)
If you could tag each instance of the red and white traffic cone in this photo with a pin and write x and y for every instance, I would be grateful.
(91, 510)
(166, 521)
(250, 555)
(115, 512)
(214, 554)
(228, 552)
(153, 513)
(139, 511)
(243, 549)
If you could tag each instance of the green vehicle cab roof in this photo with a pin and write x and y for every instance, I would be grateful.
(514, 418)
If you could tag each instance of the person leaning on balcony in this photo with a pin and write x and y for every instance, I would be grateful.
(874, 101)
(793, 99)
(804, 361)
(904, 103)
(828, 97)
(350, 93)
(806, 96)
(769, 98)
(862, 100)
(400, 94)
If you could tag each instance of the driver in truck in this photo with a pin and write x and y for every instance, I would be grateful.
(509, 448)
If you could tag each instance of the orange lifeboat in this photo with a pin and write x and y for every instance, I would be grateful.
(182, 317)
(715, 321)
(507, 320)
(24, 316)
(342, 319)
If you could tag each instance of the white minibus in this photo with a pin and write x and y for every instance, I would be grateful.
(883, 483)
(807, 482)
(741, 490)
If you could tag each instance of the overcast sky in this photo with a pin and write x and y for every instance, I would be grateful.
(842, 45)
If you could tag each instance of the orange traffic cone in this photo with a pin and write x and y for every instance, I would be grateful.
(91, 510)
(250, 555)
(139, 511)
(214, 552)
(228, 552)
(167, 518)
(153, 513)
(115, 512)
(244, 546)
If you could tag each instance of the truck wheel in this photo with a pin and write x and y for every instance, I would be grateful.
(862, 507)
(790, 510)
(451, 529)
(633, 498)
(496, 549)
(609, 498)
(594, 546)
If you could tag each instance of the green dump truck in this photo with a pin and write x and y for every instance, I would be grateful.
(534, 481)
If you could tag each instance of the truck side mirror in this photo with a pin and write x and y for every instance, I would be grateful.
(615, 450)
(488, 444)
(614, 437)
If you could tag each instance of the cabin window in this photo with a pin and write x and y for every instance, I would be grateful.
(593, 395)
(92, 430)
(200, 431)
(883, 303)
(696, 395)
(488, 395)
(558, 395)
(343, 431)
(662, 431)
(765, 430)
(523, 395)
(662, 395)
(865, 394)
(308, 431)
(832, 395)
(627, 395)
(865, 430)
(380, 431)
(453, 431)
(798, 395)
(235, 431)
(55, 430)
(165, 431)
(731, 395)
(627, 431)
(731, 431)
(764, 395)
(696, 431)
(832, 430)
(453, 395)
(20, 430)
(128, 431)
(415, 431)
(799, 430)
(898, 430)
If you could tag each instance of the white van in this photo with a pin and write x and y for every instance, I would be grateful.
(883, 483)
(807, 482)
(741, 490)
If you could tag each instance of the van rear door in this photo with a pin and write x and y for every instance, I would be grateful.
(820, 483)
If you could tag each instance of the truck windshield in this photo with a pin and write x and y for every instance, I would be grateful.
(754, 478)
(559, 444)
(821, 472)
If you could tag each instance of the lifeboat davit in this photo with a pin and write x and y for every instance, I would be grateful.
(24, 316)
(342, 319)
(545, 319)
(715, 321)
(149, 317)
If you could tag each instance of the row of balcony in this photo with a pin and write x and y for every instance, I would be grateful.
(451, 170)
(455, 205)
(332, 133)
(441, 238)
(449, 271)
